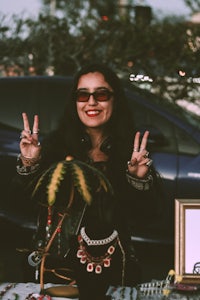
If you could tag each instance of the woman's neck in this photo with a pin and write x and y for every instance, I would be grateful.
(97, 137)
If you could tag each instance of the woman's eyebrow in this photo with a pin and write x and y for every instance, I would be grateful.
(97, 88)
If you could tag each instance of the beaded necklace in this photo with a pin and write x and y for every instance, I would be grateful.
(96, 263)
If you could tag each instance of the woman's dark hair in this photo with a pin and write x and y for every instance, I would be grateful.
(119, 128)
(67, 139)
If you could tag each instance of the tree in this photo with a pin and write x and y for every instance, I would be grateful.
(194, 5)
(166, 48)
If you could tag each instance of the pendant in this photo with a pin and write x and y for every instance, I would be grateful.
(106, 262)
(111, 250)
(79, 253)
(90, 267)
(98, 269)
(83, 259)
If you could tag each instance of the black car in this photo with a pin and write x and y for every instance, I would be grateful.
(174, 145)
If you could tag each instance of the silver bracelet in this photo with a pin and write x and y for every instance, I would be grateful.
(26, 170)
(140, 184)
(105, 241)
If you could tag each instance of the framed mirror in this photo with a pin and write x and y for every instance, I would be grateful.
(187, 240)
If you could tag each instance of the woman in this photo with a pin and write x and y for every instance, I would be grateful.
(96, 128)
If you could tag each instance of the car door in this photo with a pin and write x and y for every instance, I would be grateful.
(188, 186)
(175, 150)
(164, 152)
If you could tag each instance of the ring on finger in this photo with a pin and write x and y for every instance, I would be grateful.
(149, 163)
(28, 131)
(146, 155)
(22, 136)
(130, 163)
(135, 149)
(36, 131)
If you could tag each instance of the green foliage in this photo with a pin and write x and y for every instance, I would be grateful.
(81, 35)
(194, 5)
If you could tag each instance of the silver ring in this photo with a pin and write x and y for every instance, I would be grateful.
(135, 149)
(149, 163)
(146, 155)
(28, 131)
(36, 132)
(22, 136)
(130, 163)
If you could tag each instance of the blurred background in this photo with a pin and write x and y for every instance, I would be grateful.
(153, 43)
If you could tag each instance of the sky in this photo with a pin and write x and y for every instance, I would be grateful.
(31, 8)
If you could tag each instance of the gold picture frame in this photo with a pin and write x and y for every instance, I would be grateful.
(187, 240)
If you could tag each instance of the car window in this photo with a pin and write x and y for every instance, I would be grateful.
(147, 119)
(176, 140)
(44, 96)
(171, 106)
(186, 144)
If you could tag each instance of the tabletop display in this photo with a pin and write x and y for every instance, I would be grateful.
(148, 291)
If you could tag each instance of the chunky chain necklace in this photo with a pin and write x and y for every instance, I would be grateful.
(96, 263)
(105, 241)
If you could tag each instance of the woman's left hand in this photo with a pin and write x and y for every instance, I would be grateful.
(139, 164)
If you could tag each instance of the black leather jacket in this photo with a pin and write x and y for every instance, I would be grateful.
(129, 209)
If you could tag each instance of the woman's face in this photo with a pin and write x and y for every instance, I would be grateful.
(94, 113)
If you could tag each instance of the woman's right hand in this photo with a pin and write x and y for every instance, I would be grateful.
(29, 144)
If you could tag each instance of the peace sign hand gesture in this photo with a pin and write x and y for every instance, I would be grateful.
(139, 164)
(29, 144)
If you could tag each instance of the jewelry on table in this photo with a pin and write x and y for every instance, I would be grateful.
(6, 288)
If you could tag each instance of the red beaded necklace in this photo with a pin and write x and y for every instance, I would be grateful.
(96, 263)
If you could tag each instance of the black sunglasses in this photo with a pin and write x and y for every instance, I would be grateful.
(99, 95)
